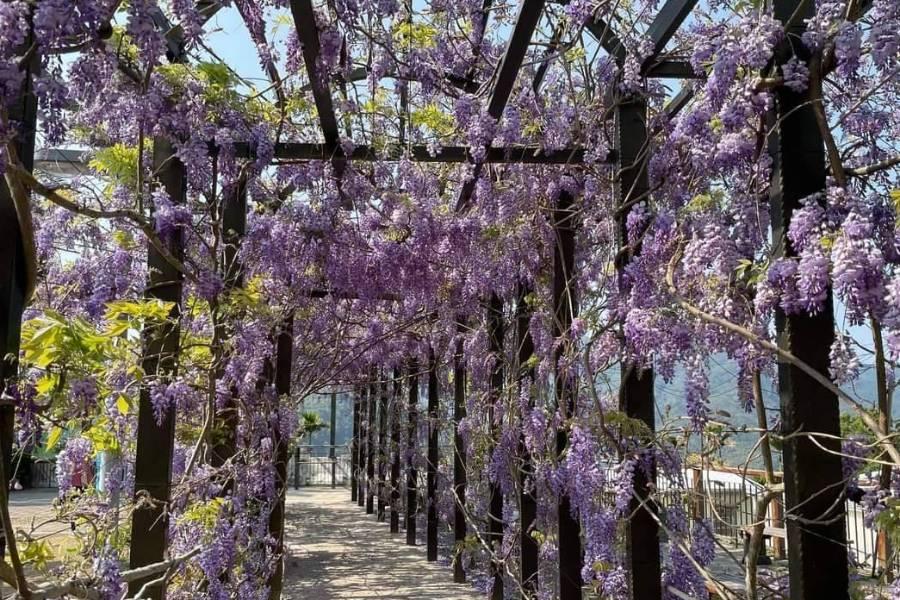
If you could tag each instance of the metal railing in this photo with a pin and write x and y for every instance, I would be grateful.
(319, 465)
(731, 508)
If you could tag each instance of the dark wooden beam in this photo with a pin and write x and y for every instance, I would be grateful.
(383, 453)
(667, 22)
(459, 454)
(671, 69)
(813, 480)
(156, 438)
(14, 282)
(528, 546)
(412, 474)
(565, 309)
(234, 227)
(607, 38)
(396, 413)
(553, 48)
(371, 430)
(300, 151)
(354, 448)
(361, 447)
(529, 14)
(636, 398)
(362, 73)
(496, 332)
(305, 21)
(434, 457)
(284, 357)
(56, 159)
(681, 99)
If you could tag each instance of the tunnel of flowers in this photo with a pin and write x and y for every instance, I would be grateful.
(500, 228)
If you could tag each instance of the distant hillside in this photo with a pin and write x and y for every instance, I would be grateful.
(724, 397)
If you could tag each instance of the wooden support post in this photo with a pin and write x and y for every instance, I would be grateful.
(13, 276)
(332, 438)
(234, 227)
(284, 354)
(361, 446)
(296, 475)
(396, 412)
(698, 506)
(412, 475)
(431, 528)
(528, 546)
(371, 431)
(382, 444)
(459, 457)
(816, 537)
(156, 438)
(495, 507)
(354, 449)
(777, 510)
(565, 308)
(636, 398)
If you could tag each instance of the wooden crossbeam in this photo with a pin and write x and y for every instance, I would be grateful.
(305, 21)
(422, 153)
(607, 38)
(174, 34)
(671, 69)
(361, 73)
(529, 14)
(63, 160)
(667, 21)
(681, 99)
(547, 59)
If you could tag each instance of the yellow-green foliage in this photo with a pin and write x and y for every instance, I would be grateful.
(432, 118)
(119, 163)
(415, 35)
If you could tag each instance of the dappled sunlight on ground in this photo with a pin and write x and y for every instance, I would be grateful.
(336, 551)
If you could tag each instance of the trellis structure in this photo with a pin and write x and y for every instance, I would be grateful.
(818, 564)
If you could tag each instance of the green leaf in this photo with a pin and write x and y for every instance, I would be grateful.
(434, 119)
(122, 404)
(118, 162)
(53, 438)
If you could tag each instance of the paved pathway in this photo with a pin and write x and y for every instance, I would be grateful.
(336, 551)
(29, 508)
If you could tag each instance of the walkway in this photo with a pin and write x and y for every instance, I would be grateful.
(336, 551)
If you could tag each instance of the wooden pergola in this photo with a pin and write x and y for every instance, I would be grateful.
(818, 562)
